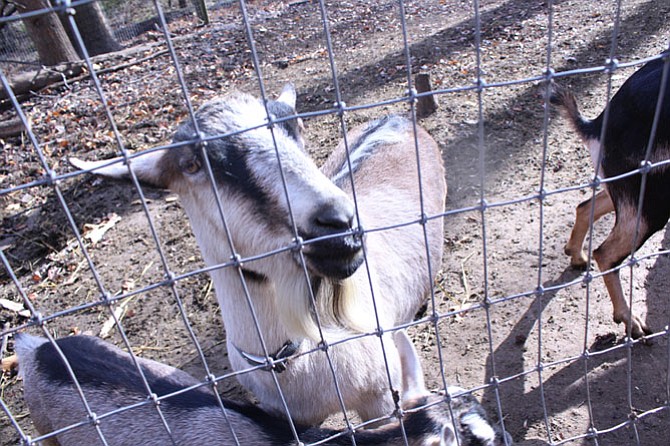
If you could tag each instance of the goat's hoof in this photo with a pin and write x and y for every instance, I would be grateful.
(578, 261)
(639, 330)
(578, 266)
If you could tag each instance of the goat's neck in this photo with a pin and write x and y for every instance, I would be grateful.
(280, 295)
(282, 308)
(236, 308)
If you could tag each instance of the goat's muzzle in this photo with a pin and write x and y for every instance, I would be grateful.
(334, 257)
(332, 249)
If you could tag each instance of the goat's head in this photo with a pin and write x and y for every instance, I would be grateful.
(464, 423)
(250, 168)
(273, 197)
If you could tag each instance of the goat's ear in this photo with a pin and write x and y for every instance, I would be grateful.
(413, 384)
(147, 168)
(288, 95)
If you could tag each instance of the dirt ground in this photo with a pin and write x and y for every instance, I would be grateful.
(504, 254)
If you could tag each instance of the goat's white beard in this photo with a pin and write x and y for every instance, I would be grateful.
(338, 305)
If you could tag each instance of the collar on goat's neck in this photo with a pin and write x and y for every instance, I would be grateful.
(278, 361)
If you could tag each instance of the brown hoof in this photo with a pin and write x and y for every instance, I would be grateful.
(639, 330)
(577, 261)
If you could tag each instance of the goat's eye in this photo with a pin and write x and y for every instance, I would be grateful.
(190, 166)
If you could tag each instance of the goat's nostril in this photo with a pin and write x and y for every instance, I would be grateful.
(335, 217)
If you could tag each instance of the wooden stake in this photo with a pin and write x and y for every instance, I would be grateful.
(426, 105)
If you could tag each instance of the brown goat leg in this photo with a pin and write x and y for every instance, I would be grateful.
(621, 311)
(610, 254)
(573, 248)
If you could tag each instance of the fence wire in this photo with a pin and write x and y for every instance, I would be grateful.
(527, 388)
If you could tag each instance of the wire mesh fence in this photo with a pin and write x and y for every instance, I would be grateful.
(508, 320)
(128, 22)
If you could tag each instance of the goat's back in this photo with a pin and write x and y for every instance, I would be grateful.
(632, 111)
(109, 381)
(383, 157)
(629, 121)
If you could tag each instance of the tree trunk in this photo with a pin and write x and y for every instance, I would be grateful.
(94, 30)
(47, 34)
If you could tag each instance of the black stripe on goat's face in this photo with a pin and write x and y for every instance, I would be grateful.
(233, 159)
(246, 169)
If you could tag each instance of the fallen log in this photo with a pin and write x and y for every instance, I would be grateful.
(12, 127)
(24, 84)
(36, 80)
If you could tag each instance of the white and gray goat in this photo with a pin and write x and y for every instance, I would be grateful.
(624, 144)
(126, 412)
(400, 267)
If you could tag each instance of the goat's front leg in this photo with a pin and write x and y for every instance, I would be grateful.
(603, 205)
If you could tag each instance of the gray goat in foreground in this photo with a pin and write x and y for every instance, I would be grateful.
(110, 381)
(244, 153)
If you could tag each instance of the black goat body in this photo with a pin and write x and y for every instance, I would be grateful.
(624, 143)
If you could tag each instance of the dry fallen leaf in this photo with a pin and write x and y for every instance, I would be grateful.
(16, 307)
(119, 313)
(128, 285)
(94, 233)
(9, 363)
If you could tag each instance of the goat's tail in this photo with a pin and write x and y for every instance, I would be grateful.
(567, 103)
